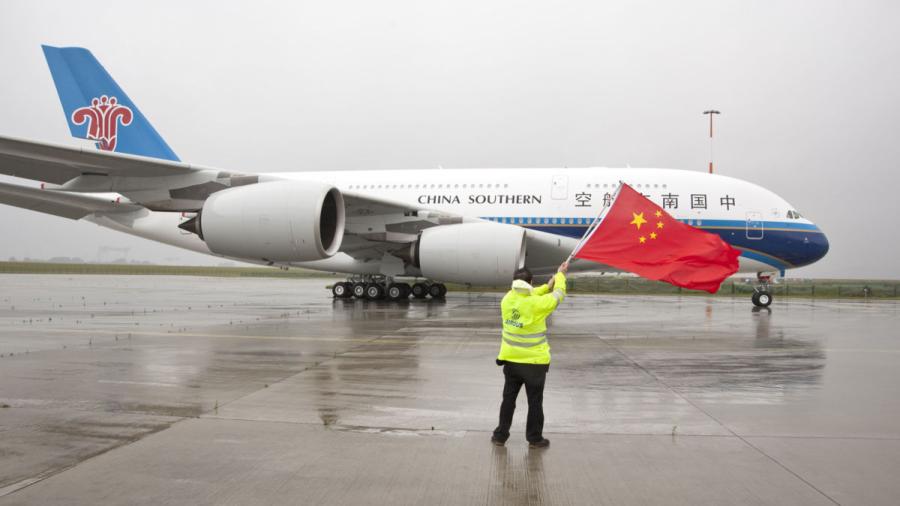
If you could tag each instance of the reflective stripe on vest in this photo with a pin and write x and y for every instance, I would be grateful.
(528, 340)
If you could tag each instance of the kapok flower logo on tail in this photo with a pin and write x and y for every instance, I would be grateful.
(103, 117)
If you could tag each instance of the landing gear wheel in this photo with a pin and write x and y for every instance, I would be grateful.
(437, 291)
(342, 290)
(374, 291)
(397, 291)
(420, 290)
(359, 290)
(762, 299)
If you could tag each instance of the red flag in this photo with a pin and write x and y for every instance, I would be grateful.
(637, 236)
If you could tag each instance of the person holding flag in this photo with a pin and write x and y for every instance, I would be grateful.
(524, 351)
(634, 235)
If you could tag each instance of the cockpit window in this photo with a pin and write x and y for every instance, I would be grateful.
(794, 215)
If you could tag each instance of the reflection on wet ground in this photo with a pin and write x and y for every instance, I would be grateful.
(172, 389)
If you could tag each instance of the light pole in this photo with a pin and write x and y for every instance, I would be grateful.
(711, 112)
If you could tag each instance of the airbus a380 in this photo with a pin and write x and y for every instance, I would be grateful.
(471, 226)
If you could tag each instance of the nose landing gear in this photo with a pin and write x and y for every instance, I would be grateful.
(762, 297)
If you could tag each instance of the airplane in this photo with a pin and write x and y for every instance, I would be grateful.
(380, 228)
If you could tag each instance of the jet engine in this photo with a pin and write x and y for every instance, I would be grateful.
(278, 221)
(472, 253)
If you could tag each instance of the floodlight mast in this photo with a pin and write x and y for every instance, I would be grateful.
(711, 113)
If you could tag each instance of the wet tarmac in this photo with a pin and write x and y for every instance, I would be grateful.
(178, 390)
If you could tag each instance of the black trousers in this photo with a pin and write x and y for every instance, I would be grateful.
(533, 377)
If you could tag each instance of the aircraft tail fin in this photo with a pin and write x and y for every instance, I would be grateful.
(96, 108)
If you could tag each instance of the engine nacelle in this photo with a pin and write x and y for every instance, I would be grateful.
(278, 221)
(476, 253)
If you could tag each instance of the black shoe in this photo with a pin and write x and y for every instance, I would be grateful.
(543, 443)
(497, 442)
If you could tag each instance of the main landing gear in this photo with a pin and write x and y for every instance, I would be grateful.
(762, 297)
(380, 287)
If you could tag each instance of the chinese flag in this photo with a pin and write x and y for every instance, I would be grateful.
(637, 236)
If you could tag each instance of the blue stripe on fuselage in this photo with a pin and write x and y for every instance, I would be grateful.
(766, 225)
(784, 245)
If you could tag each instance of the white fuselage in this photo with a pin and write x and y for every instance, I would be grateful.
(764, 226)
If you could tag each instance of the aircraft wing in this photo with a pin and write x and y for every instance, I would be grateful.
(88, 170)
(68, 205)
(159, 185)
(52, 163)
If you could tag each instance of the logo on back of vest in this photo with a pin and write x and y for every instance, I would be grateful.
(515, 314)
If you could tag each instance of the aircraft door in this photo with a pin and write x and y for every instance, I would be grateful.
(560, 188)
(755, 228)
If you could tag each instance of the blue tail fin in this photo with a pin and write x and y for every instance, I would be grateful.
(97, 109)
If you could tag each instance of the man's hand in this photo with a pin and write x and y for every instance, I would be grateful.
(564, 267)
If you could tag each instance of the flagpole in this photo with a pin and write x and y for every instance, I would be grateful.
(595, 223)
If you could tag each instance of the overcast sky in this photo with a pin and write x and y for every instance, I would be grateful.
(809, 94)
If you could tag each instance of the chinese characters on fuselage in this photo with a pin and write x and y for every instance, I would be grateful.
(582, 199)
(668, 200)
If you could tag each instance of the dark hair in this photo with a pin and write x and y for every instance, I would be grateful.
(524, 274)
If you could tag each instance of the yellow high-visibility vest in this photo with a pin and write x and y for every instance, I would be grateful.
(524, 338)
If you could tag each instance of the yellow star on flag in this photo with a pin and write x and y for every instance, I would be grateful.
(658, 213)
(638, 220)
(653, 235)
(642, 239)
(659, 224)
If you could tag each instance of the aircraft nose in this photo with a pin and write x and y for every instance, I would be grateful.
(816, 246)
